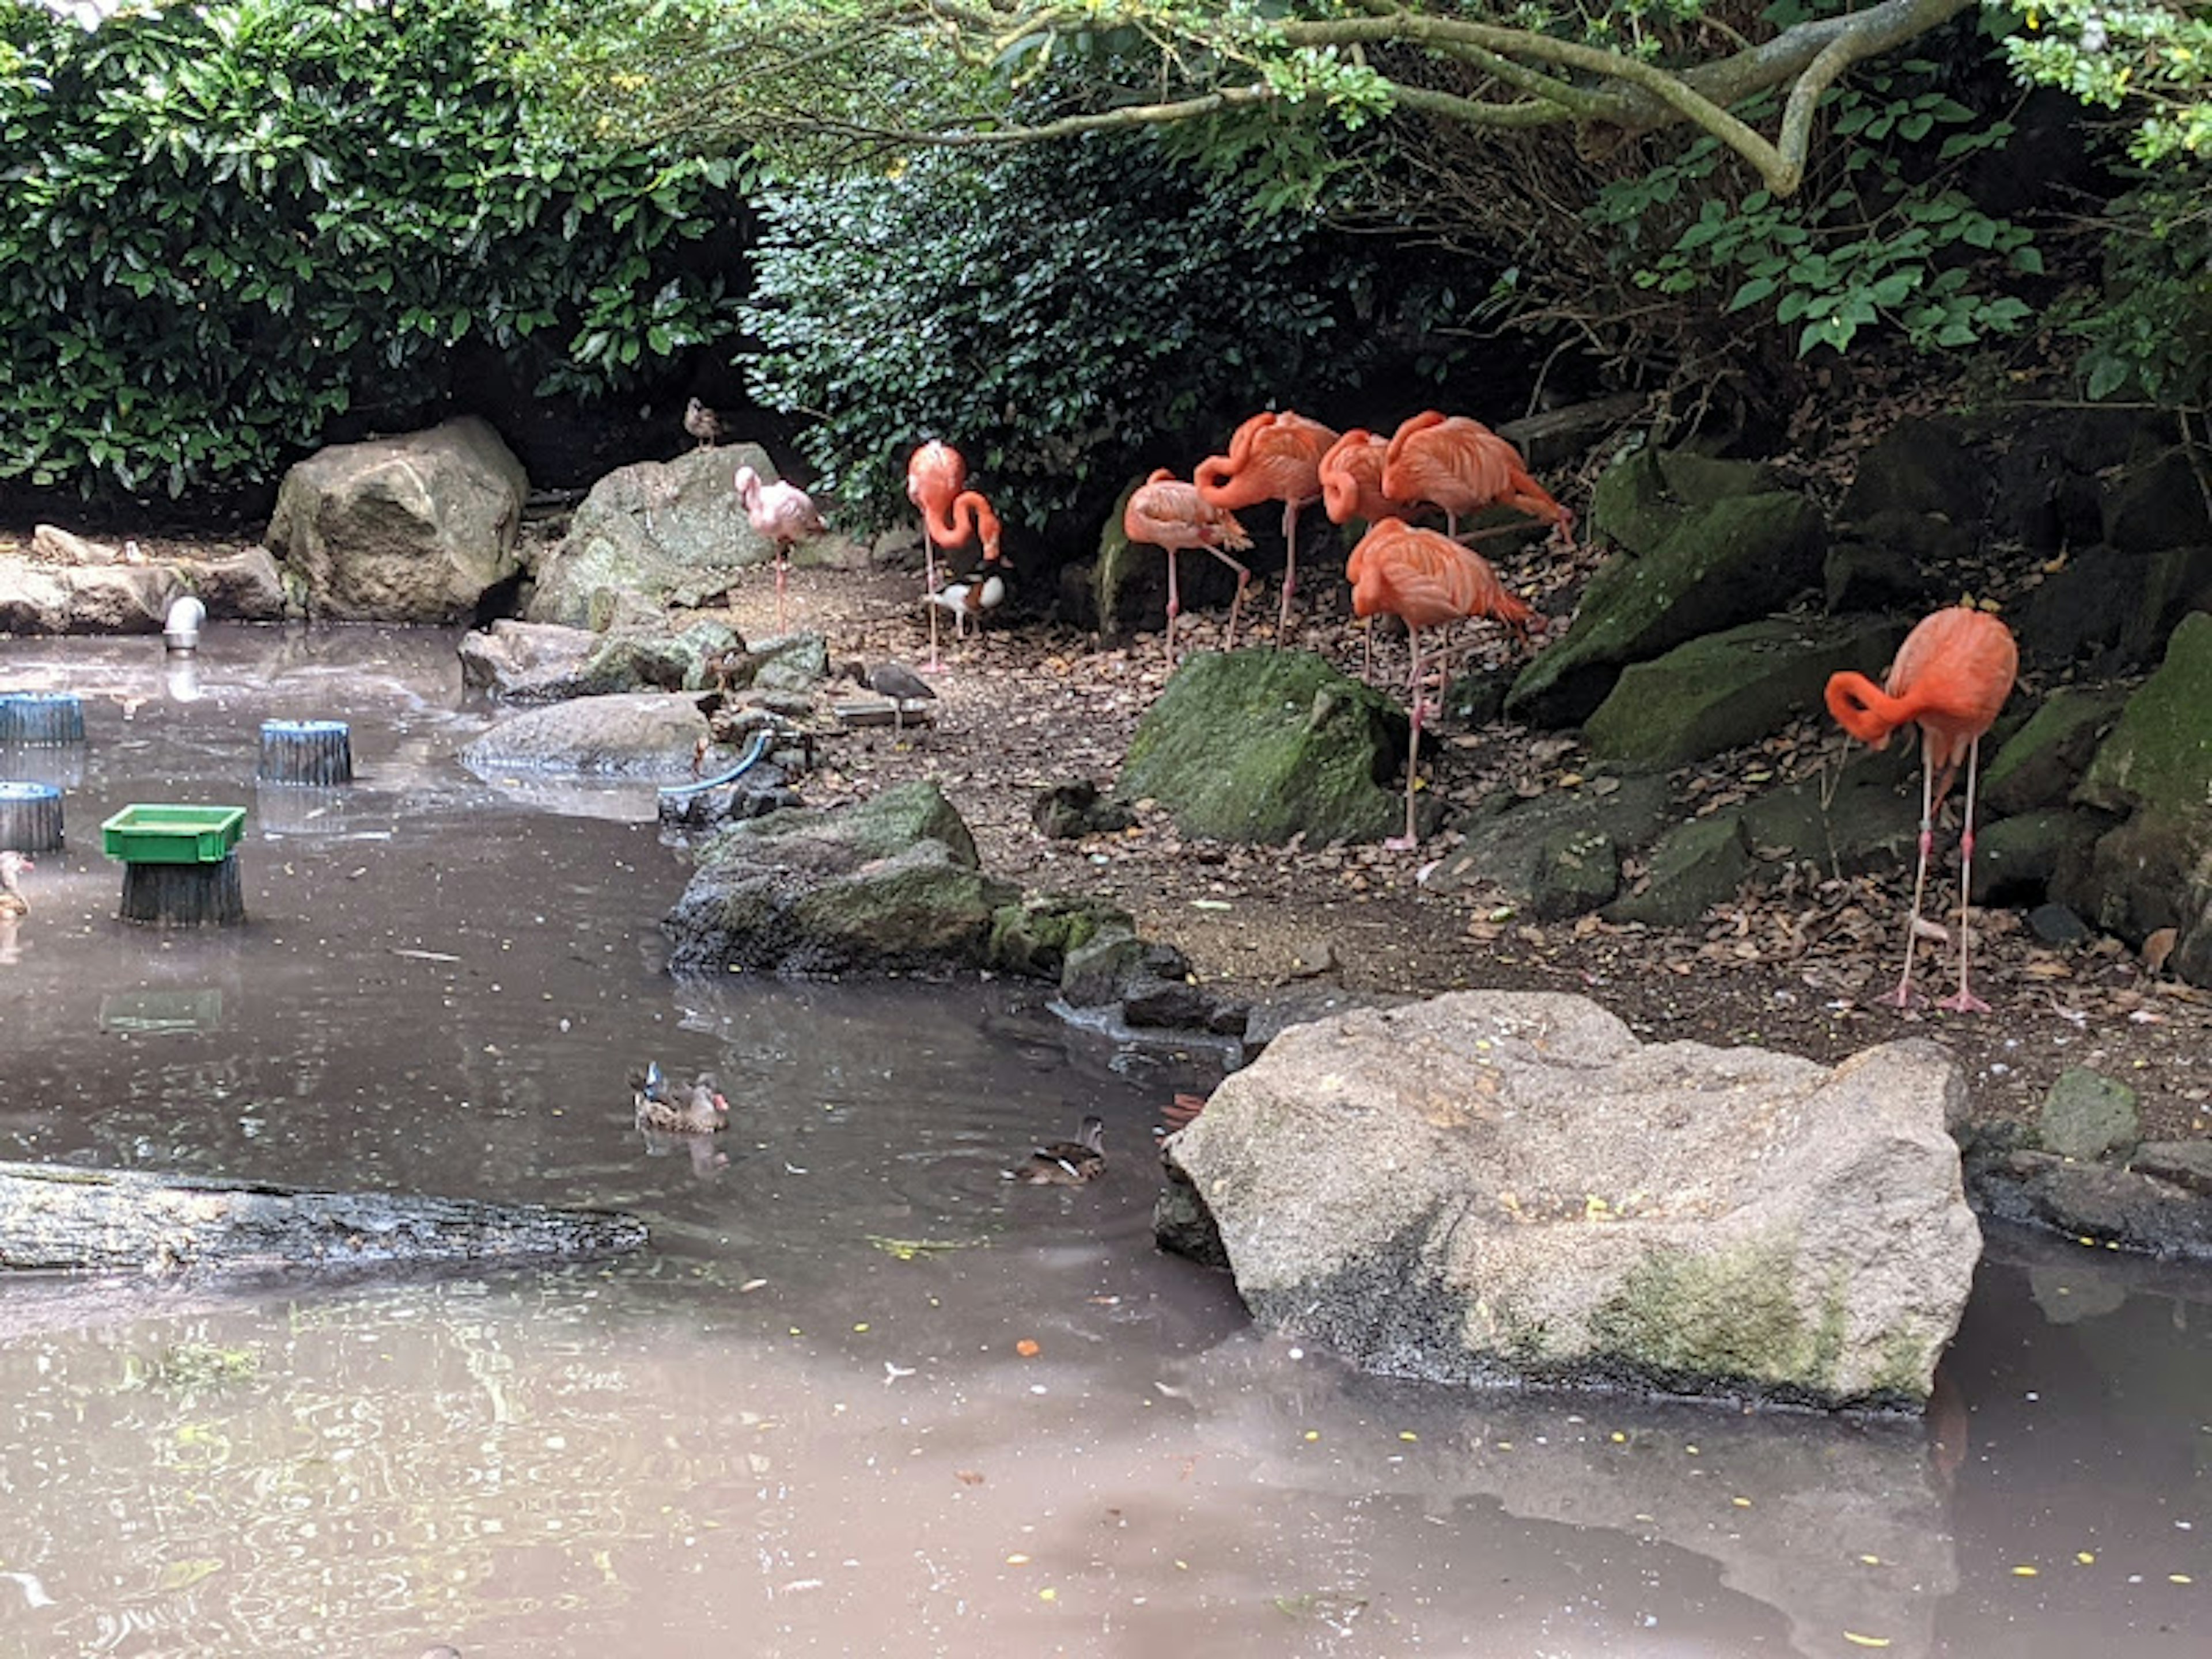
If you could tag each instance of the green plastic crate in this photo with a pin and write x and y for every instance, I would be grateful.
(173, 834)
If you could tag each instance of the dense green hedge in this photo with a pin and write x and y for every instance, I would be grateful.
(1059, 313)
(222, 225)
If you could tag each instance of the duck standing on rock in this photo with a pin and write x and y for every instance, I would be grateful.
(668, 1108)
(702, 423)
(12, 901)
(1067, 1163)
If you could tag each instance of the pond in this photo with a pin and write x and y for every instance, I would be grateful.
(861, 1394)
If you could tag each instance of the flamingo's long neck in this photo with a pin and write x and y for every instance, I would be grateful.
(1865, 710)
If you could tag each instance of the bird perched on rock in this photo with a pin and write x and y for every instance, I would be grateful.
(1426, 580)
(1462, 466)
(1952, 673)
(784, 513)
(1067, 1163)
(894, 680)
(970, 600)
(1165, 511)
(1273, 457)
(702, 423)
(669, 1107)
(12, 901)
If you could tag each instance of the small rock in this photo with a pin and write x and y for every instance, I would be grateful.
(2086, 1116)
(2054, 924)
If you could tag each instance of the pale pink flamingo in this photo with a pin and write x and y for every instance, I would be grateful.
(1166, 513)
(784, 513)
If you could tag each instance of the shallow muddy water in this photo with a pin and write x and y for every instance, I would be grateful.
(806, 1420)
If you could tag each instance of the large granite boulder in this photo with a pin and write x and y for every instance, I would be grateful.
(545, 662)
(1501, 1186)
(1710, 566)
(889, 884)
(37, 596)
(1263, 745)
(645, 735)
(411, 529)
(669, 532)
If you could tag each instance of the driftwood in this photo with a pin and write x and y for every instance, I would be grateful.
(54, 1216)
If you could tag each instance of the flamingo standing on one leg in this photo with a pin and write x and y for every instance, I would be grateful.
(1462, 466)
(937, 483)
(1952, 675)
(1166, 513)
(1272, 458)
(784, 513)
(1351, 487)
(1426, 580)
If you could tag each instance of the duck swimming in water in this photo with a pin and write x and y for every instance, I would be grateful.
(669, 1107)
(1067, 1163)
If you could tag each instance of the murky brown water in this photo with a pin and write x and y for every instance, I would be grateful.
(799, 1422)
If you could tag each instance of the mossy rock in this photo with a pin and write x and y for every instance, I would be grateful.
(1640, 500)
(1731, 687)
(1918, 466)
(2016, 859)
(2088, 1115)
(1036, 936)
(2160, 756)
(2039, 765)
(1731, 563)
(1263, 745)
(1694, 866)
(1544, 853)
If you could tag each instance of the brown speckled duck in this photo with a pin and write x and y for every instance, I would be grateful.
(1068, 1163)
(669, 1107)
(12, 901)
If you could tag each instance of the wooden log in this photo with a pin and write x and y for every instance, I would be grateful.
(59, 1217)
(310, 752)
(30, 816)
(41, 718)
(183, 894)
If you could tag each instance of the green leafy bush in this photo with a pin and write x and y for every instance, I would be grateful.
(221, 226)
(1052, 310)
(1886, 240)
(2149, 328)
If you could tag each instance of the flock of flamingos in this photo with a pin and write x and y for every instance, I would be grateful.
(1950, 678)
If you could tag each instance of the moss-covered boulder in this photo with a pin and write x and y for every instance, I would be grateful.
(1533, 1196)
(2039, 765)
(1730, 687)
(1263, 745)
(1642, 498)
(2156, 870)
(1037, 935)
(1557, 855)
(891, 884)
(1694, 866)
(1730, 562)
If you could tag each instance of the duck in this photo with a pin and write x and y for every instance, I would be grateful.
(669, 1107)
(1067, 1163)
(970, 600)
(702, 423)
(12, 901)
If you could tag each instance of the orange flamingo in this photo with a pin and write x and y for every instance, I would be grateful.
(1166, 513)
(1272, 458)
(1426, 580)
(784, 513)
(1462, 466)
(1953, 674)
(936, 482)
(1351, 487)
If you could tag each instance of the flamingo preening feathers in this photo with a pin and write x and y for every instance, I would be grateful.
(1166, 513)
(784, 513)
(1952, 675)
(1426, 580)
(1462, 466)
(1272, 457)
(952, 515)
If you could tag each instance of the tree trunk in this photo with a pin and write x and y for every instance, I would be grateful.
(55, 1216)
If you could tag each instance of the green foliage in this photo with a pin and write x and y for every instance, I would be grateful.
(1884, 237)
(222, 226)
(1051, 310)
(2149, 328)
(2155, 59)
